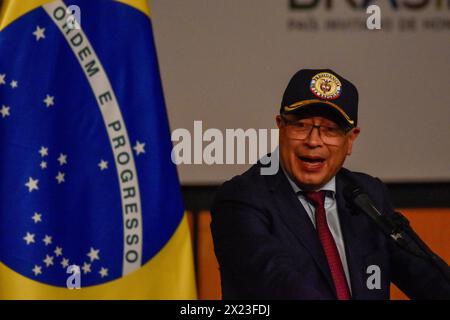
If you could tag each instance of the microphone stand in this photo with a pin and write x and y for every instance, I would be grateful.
(397, 228)
(403, 225)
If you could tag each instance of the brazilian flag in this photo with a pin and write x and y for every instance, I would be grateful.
(90, 202)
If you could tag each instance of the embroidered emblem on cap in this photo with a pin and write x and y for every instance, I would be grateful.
(326, 86)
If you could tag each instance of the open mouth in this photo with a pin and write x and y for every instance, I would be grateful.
(312, 159)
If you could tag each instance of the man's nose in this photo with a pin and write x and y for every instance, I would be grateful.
(314, 139)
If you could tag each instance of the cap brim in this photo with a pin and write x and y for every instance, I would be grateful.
(300, 106)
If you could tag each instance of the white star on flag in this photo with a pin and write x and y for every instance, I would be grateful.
(32, 184)
(62, 159)
(48, 260)
(49, 101)
(139, 148)
(4, 111)
(43, 165)
(60, 177)
(37, 217)
(103, 272)
(43, 151)
(2, 79)
(93, 254)
(29, 238)
(103, 165)
(58, 251)
(14, 84)
(39, 33)
(86, 267)
(37, 270)
(47, 240)
(65, 263)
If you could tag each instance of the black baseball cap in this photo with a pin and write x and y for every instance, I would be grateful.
(321, 91)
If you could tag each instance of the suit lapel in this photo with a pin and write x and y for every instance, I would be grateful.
(355, 233)
(298, 221)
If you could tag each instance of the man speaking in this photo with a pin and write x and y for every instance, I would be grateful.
(297, 234)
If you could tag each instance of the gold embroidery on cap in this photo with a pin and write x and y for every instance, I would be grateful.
(309, 102)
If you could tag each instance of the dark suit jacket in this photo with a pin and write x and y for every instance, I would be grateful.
(267, 247)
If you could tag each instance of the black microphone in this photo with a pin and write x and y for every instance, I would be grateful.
(396, 227)
(362, 201)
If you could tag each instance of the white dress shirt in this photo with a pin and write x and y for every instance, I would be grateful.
(332, 217)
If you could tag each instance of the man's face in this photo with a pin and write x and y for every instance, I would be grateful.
(310, 162)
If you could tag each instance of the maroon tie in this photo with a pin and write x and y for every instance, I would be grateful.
(329, 246)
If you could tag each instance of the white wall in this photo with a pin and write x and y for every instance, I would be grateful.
(227, 62)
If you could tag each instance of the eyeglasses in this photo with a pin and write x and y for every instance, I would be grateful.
(301, 129)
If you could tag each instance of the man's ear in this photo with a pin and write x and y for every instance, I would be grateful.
(351, 136)
(279, 120)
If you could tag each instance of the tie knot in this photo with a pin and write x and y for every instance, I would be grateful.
(317, 198)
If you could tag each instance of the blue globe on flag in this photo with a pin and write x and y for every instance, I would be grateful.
(86, 174)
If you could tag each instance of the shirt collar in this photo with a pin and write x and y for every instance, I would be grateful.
(330, 186)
